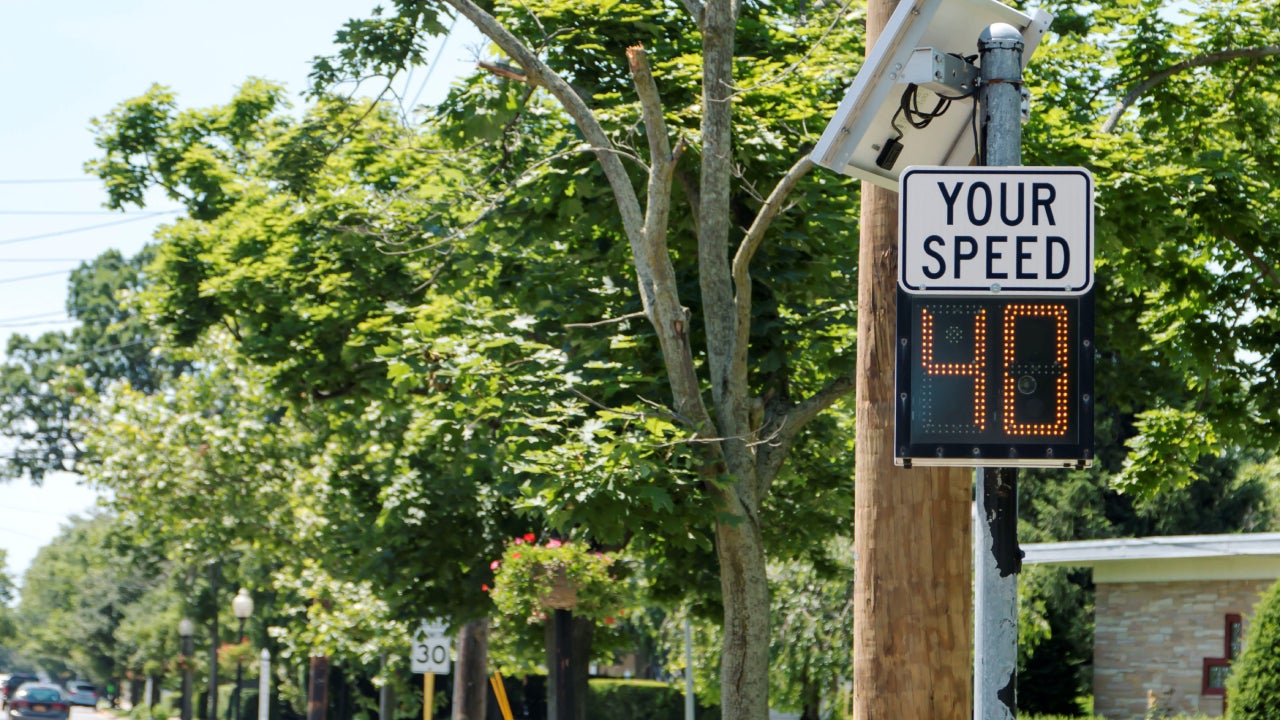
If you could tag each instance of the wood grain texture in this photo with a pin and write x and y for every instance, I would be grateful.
(912, 528)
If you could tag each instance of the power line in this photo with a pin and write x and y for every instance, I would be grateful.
(45, 181)
(60, 213)
(37, 323)
(432, 67)
(5, 281)
(87, 228)
(53, 313)
(101, 350)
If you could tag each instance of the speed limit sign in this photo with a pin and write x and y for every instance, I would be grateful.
(431, 650)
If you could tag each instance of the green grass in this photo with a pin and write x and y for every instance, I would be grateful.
(1099, 717)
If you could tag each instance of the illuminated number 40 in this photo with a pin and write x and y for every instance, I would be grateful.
(1014, 378)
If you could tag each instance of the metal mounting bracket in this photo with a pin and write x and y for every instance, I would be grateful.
(940, 72)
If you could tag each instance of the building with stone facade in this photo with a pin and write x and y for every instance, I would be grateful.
(1169, 615)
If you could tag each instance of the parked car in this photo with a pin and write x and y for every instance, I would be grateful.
(12, 683)
(80, 692)
(38, 701)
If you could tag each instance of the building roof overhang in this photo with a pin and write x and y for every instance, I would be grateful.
(1152, 559)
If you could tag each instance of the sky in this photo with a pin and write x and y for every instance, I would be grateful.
(64, 65)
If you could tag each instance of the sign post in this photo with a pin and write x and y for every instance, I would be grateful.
(995, 341)
(430, 655)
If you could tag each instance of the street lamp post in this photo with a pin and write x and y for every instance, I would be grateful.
(186, 629)
(242, 606)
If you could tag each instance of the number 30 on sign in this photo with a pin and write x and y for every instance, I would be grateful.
(996, 381)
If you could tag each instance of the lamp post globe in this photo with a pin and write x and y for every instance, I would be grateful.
(242, 606)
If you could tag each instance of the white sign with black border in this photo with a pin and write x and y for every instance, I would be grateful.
(431, 649)
(982, 230)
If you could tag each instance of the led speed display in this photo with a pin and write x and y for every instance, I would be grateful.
(995, 381)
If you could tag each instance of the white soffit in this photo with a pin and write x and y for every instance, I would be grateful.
(1182, 557)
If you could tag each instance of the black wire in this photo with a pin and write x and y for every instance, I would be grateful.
(977, 141)
(909, 108)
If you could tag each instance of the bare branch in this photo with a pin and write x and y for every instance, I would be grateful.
(504, 70)
(695, 9)
(836, 20)
(747, 249)
(729, 389)
(607, 321)
(654, 271)
(1141, 88)
(540, 74)
(661, 162)
(601, 406)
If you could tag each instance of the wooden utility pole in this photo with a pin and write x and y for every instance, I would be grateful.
(912, 528)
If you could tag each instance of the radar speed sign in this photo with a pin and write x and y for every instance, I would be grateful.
(995, 318)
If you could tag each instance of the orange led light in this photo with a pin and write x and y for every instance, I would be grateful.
(977, 369)
(1061, 358)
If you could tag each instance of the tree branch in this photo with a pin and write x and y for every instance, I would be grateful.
(729, 390)
(747, 249)
(654, 271)
(1141, 88)
(695, 9)
(1266, 270)
(661, 162)
(792, 420)
(607, 321)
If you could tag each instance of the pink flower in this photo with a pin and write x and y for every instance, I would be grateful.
(494, 565)
(484, 587)
(518, 541)
(554, 543)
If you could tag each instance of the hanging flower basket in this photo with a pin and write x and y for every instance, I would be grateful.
(562, 595)
(532, 579)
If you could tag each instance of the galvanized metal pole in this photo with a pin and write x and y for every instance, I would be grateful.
(997, 559)
(264, 685)
(385, 698)
(688, 670)
(188, 651)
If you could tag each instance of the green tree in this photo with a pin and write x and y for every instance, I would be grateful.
(74, 597)
(1171, 105)
(1187, 307)
(38, 410)
(1254, 684)
(738, 401)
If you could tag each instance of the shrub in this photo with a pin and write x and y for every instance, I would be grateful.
(640, 700)
(1254, 686)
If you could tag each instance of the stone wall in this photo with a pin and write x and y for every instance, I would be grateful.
(1151, 638)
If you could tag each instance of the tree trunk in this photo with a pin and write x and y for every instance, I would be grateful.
(744, 662)
(584, 632)
(580, 636)
(318, 692)
(912, 592)
(470, 679)
(811, 699)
